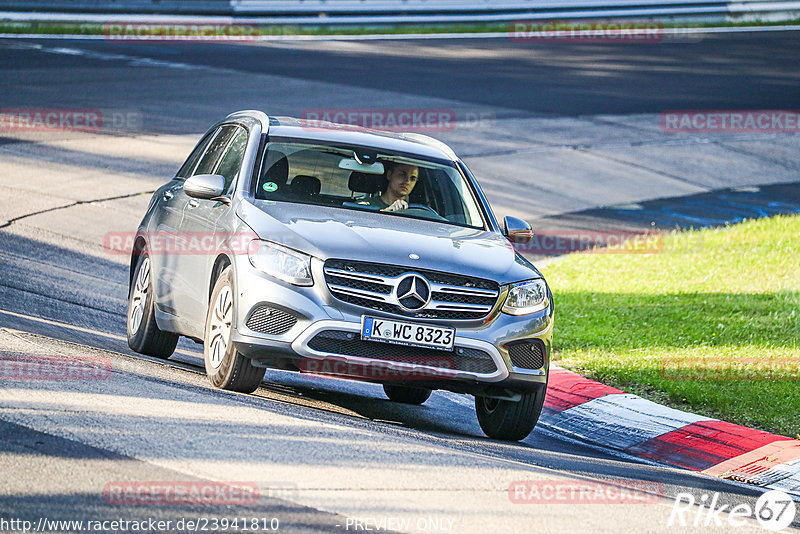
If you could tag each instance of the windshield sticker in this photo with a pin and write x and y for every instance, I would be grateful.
(269, 187)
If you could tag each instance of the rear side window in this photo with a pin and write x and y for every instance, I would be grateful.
(191, 162)
(215, 149)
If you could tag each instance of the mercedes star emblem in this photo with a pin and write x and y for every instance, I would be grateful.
(413, 292)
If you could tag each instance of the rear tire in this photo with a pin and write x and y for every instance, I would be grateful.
(225, 366)
(507, 420)
(406, 395)
(144, 336)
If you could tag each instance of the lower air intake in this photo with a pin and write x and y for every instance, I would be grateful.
(267, 320)
(526, 354)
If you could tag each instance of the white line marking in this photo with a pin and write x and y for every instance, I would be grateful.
(789, 484)
(133, 61)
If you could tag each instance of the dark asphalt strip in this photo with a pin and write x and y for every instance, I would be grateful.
(703, 210)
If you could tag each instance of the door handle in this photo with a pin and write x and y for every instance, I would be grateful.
(168, 195)
(193, 203)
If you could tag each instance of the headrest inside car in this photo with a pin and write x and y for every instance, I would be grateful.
(278, 172)
(307, 186)
(361, 182)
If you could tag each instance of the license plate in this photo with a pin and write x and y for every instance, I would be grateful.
(409, 334)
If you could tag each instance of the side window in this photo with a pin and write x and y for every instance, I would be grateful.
(209, 160)
(191, 162)
(231, 161)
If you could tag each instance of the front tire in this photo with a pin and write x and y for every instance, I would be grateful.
(144, 336)
(406, 395)
(225, 366)
(507, 420)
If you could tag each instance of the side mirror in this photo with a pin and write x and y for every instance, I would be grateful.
(205, 186)
(516, 230)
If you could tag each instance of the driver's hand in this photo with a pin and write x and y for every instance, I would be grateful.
(397, 205)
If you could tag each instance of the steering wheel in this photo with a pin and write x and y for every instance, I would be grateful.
(422, 207)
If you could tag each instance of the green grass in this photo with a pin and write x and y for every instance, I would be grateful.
(711, 324)
(60, 28)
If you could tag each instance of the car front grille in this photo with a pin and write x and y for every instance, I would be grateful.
(351, 344)
(268, 320)
(374, 286)
(526, 354)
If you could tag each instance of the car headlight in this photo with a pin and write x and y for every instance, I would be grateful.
(282, 263)
(526, 297)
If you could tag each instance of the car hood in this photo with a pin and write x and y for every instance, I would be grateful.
(326, 232)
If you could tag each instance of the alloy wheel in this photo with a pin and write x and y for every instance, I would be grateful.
(139, 296)
(220, 327)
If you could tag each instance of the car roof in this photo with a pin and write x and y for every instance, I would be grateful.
(410, 143)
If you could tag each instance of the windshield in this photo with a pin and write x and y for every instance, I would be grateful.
(391, 184)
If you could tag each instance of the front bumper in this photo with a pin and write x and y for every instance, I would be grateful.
(317, 313)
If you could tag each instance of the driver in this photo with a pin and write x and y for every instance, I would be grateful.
(400, 181)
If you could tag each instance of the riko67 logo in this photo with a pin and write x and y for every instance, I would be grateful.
(774, 510)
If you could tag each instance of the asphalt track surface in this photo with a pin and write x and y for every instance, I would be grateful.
(711, 71)
(322, 451)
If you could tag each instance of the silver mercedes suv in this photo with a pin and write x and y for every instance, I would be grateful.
(341, 251)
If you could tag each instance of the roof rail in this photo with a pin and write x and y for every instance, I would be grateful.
(254, 114)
